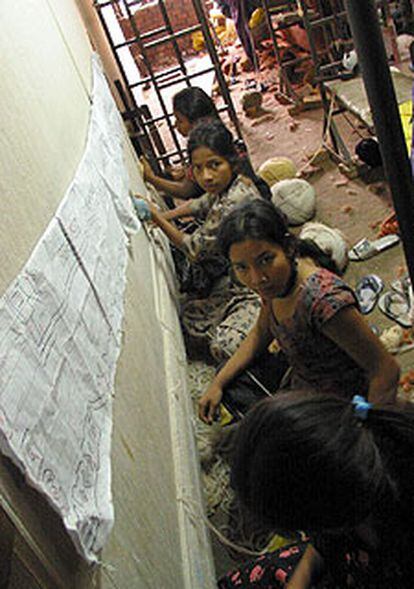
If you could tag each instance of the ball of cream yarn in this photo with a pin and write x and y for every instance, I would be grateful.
(330, 240)
(296, 198)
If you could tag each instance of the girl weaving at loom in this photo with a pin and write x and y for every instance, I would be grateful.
(340, 471)
(305, 307)
(192, 106)
(220, 312)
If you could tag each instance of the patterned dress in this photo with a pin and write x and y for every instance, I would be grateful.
(347, 563)
(318, 362)
(356, 568)
(226, 315)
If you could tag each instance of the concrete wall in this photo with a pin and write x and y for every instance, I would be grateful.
(159, 539)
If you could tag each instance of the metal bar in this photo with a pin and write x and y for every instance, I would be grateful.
(163, 74)
(129, 42)
(148, 65)
(308, 29)
(188, 77)
(328, 66)
(184, 78)
(168, 154)
(336, 139)
(335, 22)
(156, 137)
(296, 60)
(372, 57)
(131, 99)
(276, 10)
(325, 28)
(389, 29)
(133, 2)
(153, 32)
(213, 56)
(284, 82)
(172, 37)
(315, 22)
(164, 79)
(102, 4)
(176, 48)
(157, 119)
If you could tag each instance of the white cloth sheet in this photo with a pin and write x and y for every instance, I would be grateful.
(60, 326)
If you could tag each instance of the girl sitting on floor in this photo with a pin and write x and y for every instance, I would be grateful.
(191, 106)
(222, 312)
(306, 308)
(342, 472)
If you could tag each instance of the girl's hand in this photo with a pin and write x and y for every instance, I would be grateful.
(209, 402)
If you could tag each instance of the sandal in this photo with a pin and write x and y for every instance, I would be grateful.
(402, 286)
(396, 307)
(365, 249)
(368, 291)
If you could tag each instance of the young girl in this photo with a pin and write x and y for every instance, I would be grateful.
(225, 311)
(192, 106)
(309, 310)
(342, 472)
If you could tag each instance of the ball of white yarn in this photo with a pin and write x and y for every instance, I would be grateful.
(296, 198)
(330, 240)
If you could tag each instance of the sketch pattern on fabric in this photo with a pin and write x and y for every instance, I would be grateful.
(60, 322)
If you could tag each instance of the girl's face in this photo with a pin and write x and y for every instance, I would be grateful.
(211, 171)
(262, 266)
(182, 124)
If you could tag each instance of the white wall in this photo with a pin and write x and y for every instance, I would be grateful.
(159, 539)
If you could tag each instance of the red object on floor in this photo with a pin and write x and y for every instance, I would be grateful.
(389, 225)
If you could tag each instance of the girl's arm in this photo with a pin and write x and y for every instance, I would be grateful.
(308, 569)
(202, 239)
(256, 342)
(179, 188)
(350, 332)
(158, 218)
(183, 210)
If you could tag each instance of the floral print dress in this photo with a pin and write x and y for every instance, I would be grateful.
(224, 317)
(317, 362)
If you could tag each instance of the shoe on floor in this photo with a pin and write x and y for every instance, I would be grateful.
(402, 285)
(365, 249)
(368, 291)
(396, 307)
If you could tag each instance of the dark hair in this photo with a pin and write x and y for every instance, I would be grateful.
(215, 135)
(304, 461)
(260, 219)
(194, 104)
